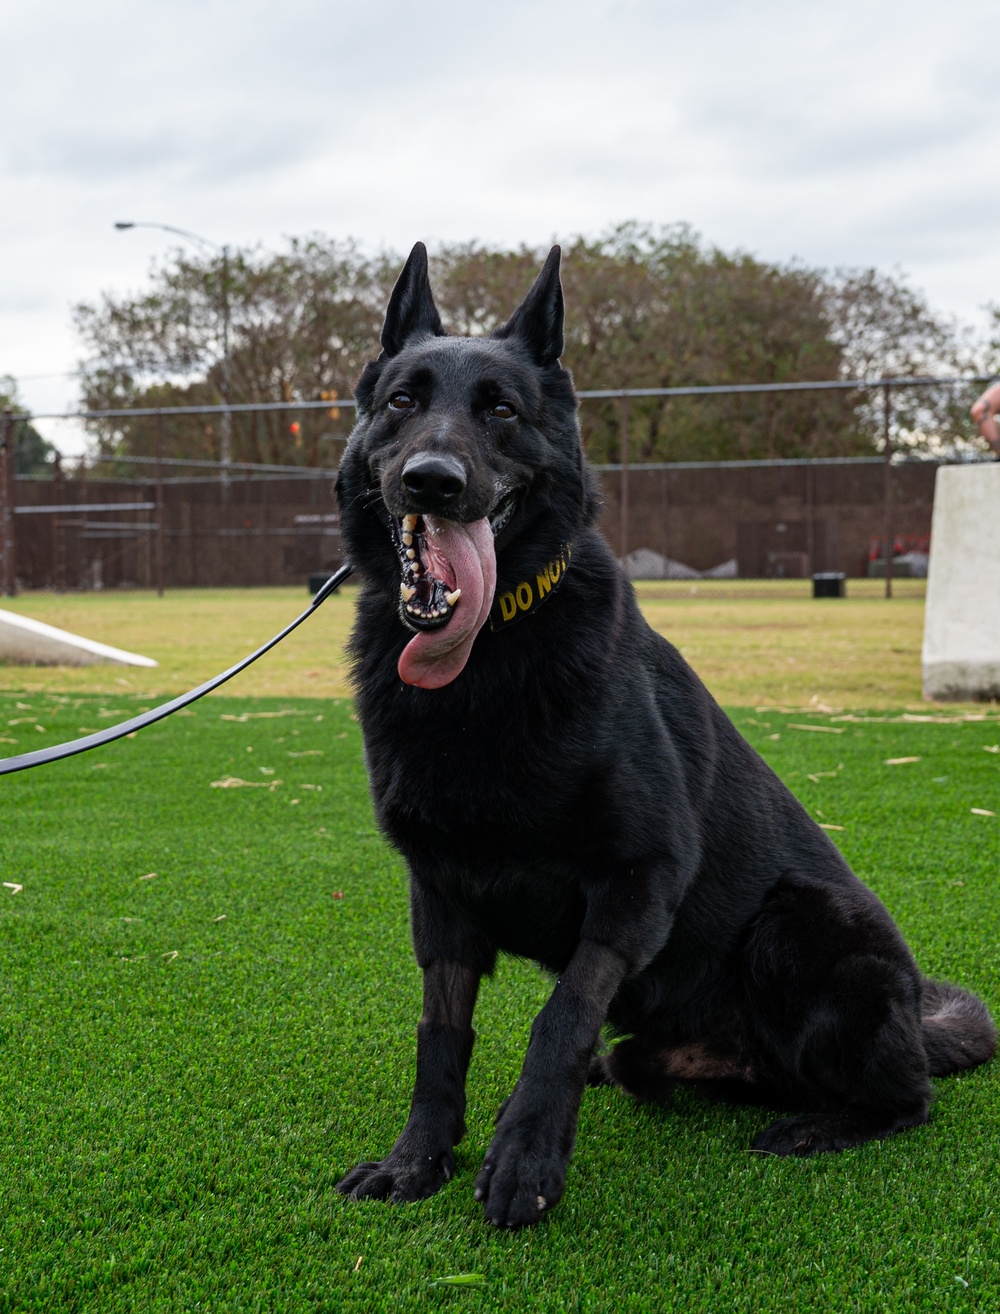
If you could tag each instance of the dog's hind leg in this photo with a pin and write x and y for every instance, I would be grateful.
(636, 1065)
(650, 1071)
(868, 1081)
(833, 1001)
(886, 1078)
(598, 1073)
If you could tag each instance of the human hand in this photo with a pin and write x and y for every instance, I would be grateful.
(984, 412)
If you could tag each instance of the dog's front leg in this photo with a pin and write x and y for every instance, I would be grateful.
(524, 1171)
(421, 1161)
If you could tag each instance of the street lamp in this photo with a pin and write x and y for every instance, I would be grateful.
(226, 436)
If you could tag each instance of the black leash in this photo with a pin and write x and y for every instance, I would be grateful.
(59, 751)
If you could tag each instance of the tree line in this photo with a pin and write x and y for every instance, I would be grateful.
(646, 307)
(32, 453)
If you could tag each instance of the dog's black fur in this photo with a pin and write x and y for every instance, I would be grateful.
(577, 797)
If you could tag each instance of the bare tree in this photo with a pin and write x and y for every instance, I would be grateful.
(886, 329)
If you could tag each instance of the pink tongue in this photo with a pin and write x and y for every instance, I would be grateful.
(434, 658)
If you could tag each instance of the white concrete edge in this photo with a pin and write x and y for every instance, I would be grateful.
(949, 681)
(53, 634)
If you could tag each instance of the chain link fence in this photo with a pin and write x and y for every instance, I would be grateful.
(167, 521)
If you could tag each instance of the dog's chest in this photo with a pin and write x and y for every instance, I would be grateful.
(472, 781)
(495, 757)
(529, 905)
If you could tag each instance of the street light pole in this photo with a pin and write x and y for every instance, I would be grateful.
(226, 426)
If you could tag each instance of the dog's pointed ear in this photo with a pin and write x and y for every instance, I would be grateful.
(411, 306)
(538, 320)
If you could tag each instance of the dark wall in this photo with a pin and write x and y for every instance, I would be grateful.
(264, 532)
(775, 520)
(801, 518)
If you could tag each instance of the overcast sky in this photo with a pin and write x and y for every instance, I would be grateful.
(862, 133)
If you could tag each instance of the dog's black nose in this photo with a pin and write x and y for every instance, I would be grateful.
(434, 478)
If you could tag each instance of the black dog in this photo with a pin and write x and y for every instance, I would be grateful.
(564, 788)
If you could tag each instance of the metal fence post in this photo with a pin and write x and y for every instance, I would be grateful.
(159, 505)
(888, 534)
(264, 523)
(7, 503)
(58, 559)
(623, 522)
(226, 427)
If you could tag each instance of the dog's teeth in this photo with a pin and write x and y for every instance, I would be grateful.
(407, 540)
(540, 1201)
(411, 553)
(416, 568)
(405, 592)
(452, 598)
(409, 524)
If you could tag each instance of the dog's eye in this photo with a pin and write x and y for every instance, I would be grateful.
(401, 401)
(503, 411)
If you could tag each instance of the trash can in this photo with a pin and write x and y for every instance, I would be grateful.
(829, 584)
(317, 579)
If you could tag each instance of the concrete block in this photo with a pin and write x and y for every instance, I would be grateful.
(961, 656)
(28, 642)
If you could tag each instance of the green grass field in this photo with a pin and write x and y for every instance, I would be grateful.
(209, 1008)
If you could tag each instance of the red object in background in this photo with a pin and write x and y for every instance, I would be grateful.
(902, 543)
(294, 427)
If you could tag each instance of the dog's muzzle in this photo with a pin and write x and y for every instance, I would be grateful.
(429, 590)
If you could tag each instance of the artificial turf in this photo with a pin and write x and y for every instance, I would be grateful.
(190, 1059)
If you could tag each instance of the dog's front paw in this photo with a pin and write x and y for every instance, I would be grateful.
(519, 1181)
(399, 1178)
